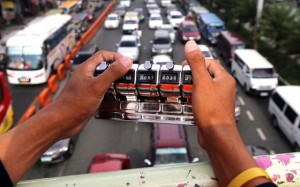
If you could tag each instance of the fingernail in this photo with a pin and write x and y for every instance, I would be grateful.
(191, 46)
(125, 61)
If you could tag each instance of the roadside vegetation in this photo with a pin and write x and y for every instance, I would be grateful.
(276, 35)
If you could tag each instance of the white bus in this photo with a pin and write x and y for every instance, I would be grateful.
(36, 51)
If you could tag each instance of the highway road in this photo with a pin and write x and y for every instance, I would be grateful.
(106, 136)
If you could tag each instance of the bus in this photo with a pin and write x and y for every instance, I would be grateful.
(69, 7)
(34, 52)
(6, 109)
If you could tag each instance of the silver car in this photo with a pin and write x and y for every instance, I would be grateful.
(59, 151)
(161, 43)
(171, 30)
(129, 46)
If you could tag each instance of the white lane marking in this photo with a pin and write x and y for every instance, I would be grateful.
(241, 100)
(250, 116)
(62, 170)
(261, 134)
(272, 152)
(136, 127)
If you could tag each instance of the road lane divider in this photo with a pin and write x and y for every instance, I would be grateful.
(46, 95)
(261, 134)
(241, 100)
(53, 84)
(250, 116)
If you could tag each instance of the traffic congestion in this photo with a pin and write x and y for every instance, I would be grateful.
(153, 34)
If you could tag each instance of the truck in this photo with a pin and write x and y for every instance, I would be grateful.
(210, 26)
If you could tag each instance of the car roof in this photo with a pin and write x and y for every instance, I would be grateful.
(161, 33)
(113, 15)
(155, 15)
(232, 38)
(107, 162)
(166, 26)
(128, 37)
(211, 18)
(162, 58)
(175, 12)
(169, 136)
(291, 96)
(253, 59)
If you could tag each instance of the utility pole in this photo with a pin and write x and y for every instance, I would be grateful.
(259, 10)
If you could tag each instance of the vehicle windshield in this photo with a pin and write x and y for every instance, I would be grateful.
(80, 58)
(239, 47)
(170, 156)
(216, 27)
(155, 18)
(176, 17)
(190, 29)
(24, 58)
(120, 8)
(162, 41)
(128, 44)
(206, 54)
(263, 73)
(130, 22)
(111, 18)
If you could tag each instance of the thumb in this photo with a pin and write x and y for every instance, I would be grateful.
(114, 71)
(196, 61)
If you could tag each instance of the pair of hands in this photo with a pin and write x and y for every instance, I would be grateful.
(213, 90)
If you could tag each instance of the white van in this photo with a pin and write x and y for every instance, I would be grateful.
(284, 109)
(131, 22)
(254, 72)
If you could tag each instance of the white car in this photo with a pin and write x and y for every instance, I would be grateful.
(112, 21)
(175, 18)
(129, 46)
(155, 21)
(125, 3)
(206, 51)
(161, 59)
(153, 9)
(165, 3)
(130, 25)
(171, 30)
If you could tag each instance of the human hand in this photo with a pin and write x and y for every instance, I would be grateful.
(213, 95)
(83, 94)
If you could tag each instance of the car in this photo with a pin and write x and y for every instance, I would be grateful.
(284, 111)
(189, 31)
(58, 152)
(80, 23)
(170, 8)
(91, 15)
(161, 43)
(161, 59)
(153, 9)
(155, 21)
(112, 21)
(175, 18)
(169, 146)
(125, 3)
(190, 5)
(109, 162)
(165, 3)
(120, 10)
(206, 51)
(141, 14)
(130, 25)
(83, 54)
(171, 30)
(129, 46)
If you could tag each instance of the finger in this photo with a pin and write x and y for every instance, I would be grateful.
(196, 61)
(214, 68)
(115, 71)
(101, 56)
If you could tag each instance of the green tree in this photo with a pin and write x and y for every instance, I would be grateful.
(277, 23)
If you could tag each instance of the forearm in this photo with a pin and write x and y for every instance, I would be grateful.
(22, 146)
(231, 157)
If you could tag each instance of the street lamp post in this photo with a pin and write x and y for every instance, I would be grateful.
(259, 10)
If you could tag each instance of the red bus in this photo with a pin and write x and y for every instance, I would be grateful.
(6, 109)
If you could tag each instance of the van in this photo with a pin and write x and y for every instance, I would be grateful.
(227, 43)
(254, 72)
(284, 109)
(169, 145)
(162, 43)
(131, 22)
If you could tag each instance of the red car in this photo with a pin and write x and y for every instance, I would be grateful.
(189, 31)
(109, 162)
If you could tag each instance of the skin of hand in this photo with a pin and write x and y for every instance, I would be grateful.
(22, 146)
(213, 101)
